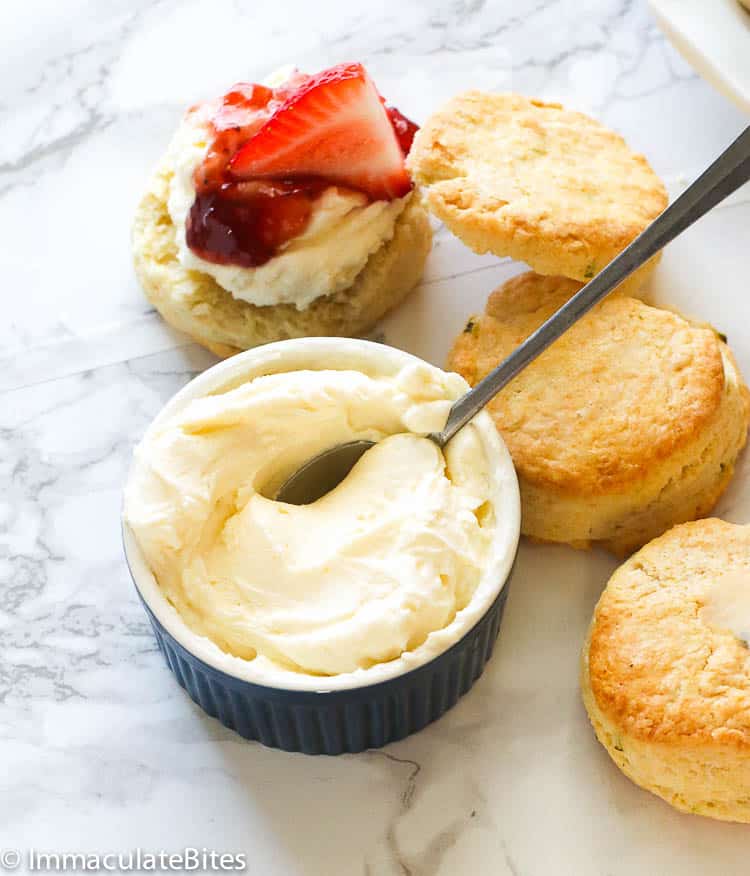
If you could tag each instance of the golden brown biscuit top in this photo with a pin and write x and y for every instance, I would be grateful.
(656, 667)
(621, 390)
(529, 179)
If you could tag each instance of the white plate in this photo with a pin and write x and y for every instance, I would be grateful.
(713, 36)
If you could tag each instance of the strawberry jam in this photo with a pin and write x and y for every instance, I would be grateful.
(245, 221)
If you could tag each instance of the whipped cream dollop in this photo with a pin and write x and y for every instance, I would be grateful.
(365, 574)
(345, 229)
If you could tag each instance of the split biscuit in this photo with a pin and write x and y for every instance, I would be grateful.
(196, 304)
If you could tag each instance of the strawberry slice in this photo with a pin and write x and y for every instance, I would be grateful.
(332, 126)
(405, 128)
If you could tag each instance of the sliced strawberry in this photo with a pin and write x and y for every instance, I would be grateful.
(333, 126)
(405, 128)
(244, 109)
(295, 79)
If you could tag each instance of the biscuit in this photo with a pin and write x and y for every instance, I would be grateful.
(668, 691)
(195, 304)
(530, 180)
(629, 423)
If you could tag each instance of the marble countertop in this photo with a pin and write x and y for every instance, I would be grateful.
(101, 750)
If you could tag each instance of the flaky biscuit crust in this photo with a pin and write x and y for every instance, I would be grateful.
(629, 423)
(620, 391)
(194, 303)
(669, 696)
(527, 179)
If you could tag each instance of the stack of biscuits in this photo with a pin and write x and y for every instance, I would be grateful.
(633, 420)
(629, 424)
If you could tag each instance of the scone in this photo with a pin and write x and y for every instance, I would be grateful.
(527, 179)
(283, 210)
(665, 670)
(629, 423)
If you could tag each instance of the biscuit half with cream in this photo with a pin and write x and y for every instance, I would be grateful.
(629, 423)
(665, 670)
(283, 210)
(195, 303)
(531, 180)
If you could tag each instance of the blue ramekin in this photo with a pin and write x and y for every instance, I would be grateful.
(311, 720)
(338, 721)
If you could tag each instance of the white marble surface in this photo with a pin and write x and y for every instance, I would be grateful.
(101, 750)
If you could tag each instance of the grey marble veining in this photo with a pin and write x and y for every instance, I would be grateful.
(100, 749)
(92, 92)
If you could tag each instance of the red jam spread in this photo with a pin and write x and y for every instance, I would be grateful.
(245, 222)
